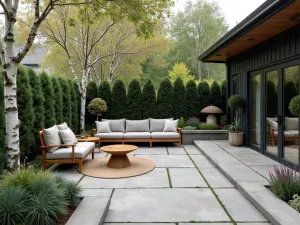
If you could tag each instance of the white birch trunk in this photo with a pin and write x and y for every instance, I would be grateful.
(83, 98)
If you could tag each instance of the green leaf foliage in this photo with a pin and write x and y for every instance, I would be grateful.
(97, 106)
(49, 102)
(149, 100)
(118, 101)
(189, 128)
(179, 99)
(204, 94)
(26, 113)
(104, 92)
(67, 104)
(181, 122)
(223, 95)
(192, 99)
(74, 106)
(294, 105)
(58, 100)
(207, 126)
(236, 101)
(295, 202)
(165, 100)
(215, 94)
(91, 93)
(134, 107)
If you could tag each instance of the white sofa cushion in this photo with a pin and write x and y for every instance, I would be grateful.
(66, 153)
(296, 132)
(51, 137)
(286, 134)
(116, 125)
(103, 127)
(62, 126)
(161, 135)
(291, 123)
(157, 125)
(112, 135)
(137, 135)
(137, 125)
(67, 136)
(273, 124)
(171, 125)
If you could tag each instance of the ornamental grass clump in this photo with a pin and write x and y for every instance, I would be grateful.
(285, 183)
(192, 121)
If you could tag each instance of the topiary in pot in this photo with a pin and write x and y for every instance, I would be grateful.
(294, 105)
(97, 106)
(236, 136)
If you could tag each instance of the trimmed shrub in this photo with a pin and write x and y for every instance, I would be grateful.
(118, 100)
(149, 101)
(179, 99)
(204, 94)
(134, 107)
(104, 92)
(26, 113)
(223, 95)
(165, 101)
(91, 93)
(97, 106)
(294, 105)
(207, 126)
(67, 105)
(192, 99)
(215, 94)
(74, 106)
(58, 100)
(189, 128)
(49, 100)
(181, 122)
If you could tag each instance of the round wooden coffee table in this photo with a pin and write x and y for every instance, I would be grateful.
(118, 158)
(90, 139)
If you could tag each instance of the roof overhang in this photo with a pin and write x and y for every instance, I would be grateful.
(270, 19)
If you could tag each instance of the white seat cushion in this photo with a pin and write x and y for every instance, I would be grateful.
(137, 135)
(112, 135)
(81, 150)
(286, 134)
(161, 135)
(296, 132)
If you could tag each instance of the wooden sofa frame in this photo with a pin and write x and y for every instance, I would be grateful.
(275, 139)
(53, 161)
(150, 140)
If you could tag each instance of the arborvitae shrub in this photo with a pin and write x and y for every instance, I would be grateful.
(38, 108)
(192, 99)
(104, 92)
(179, 99)
(165, 101)
(204, 94)
(215, 94)
(149, 100)
(67, 107)
(118, 100)
(49, 100)
(91, 93)
(58, 100)
(74, 106)
(223, 95)
(26, 114)
(134, 101)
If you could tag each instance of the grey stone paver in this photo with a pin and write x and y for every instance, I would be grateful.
(95, 192)
(97, 155)
(263, 170)
(205, 224)
(69, 174)
(140, 224)
(192, 150)
(202, 162)
(176, 151)
(239, 207)
(236, 150)
(165, 205)
(254, 224)
(186, 177)
(158, 178)
(256, 160)
(216, 179)
(150, 151)
(168, 161)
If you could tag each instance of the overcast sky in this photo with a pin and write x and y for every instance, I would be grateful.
(234, 10)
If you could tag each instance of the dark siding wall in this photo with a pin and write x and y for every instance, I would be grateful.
(281, 48)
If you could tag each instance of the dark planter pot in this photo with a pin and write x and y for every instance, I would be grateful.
(188, 136)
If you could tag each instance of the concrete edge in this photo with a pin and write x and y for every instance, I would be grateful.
(106, 208)
(203, 131)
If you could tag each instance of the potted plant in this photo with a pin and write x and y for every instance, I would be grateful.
(97, 106)
(235, 135)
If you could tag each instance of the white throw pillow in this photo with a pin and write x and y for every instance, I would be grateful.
(68, 137)
(291, 123)
(273, 124)
(171, 125)
(51, 137)
(62, 126)
(103, 127)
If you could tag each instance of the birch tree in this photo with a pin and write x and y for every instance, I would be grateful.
(38, 11)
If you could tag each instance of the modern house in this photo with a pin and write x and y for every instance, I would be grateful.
(262, 55)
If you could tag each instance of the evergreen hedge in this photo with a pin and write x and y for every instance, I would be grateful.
(204, 94)
(91, 93)
(192, 99)
(134, 107)
(179, 99)
(49, 103)
(74, 106)
(149, 101)
(215, 94)
(26, 113)
(104, 92)
(58, 100)
(165, 99)
(67, 107)
(118, 100)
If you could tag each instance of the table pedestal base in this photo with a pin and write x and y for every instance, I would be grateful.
(118, 161)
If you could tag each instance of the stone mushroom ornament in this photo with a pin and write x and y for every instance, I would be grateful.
(211, 110)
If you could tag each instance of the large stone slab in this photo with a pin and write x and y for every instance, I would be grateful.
(256, 160)
(205, 223)
(192, 150)
(97, 155)
(254, 224)
(186, 177)
(150, 151)
(141, 224)
(202, 162)
(236, 150)
(165, 205)
(263, 170)
(215, 178)
(95, 192)
(238, 206)
(176, 151)
(70, 174)
(157, 178)
(168, 161)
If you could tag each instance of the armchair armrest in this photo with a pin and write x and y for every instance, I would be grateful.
(179, 130)
(94, 131)
(62, 145)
